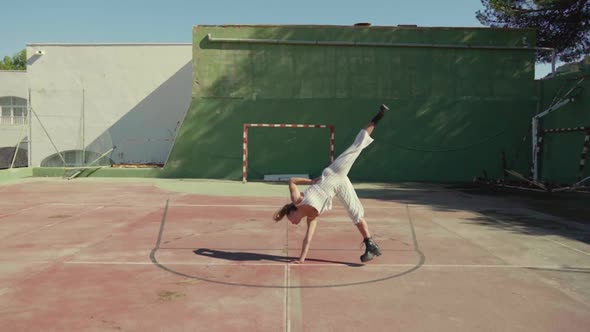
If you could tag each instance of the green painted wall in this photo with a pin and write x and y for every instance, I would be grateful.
(452, 110)
(562, 152)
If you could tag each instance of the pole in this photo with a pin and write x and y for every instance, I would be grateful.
(83, 126)
(29, 108)
(535, 147)
(52, 143)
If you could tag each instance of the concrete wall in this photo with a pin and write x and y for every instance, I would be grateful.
(453, 110)
(12, 84)
(98, 96)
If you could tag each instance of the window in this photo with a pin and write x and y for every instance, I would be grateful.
(14, 111)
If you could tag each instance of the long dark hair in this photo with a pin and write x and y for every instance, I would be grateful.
(284, 211)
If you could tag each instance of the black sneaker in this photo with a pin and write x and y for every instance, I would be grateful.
(380, 114)
(371, 250)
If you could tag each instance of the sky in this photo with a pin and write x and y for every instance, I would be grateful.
(161, 21)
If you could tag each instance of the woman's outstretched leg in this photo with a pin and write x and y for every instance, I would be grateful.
(371, 126)
(346, 159)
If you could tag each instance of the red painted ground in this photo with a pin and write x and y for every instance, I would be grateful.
(75, 256)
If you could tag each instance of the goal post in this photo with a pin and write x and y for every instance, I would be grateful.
(540, 147)
(279, 125)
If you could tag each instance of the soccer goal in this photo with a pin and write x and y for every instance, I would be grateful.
(280, 125)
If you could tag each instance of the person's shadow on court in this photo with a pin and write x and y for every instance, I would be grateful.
(250, 256)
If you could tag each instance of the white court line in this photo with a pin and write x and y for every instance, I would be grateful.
(286, 298)
(19, 211)
(66, 219)
(286, 267)
(273, 206)
(527, 232)
(171, 204)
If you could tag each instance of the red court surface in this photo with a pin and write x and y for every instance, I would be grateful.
(98, 255)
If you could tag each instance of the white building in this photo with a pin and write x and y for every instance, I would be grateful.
(124, 101)
(13, 115)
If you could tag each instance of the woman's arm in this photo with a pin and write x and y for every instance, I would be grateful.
(301, 181)
(311, 225)
(295, 194)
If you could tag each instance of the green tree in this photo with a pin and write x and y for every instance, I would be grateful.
(16, 62)
(561, 24)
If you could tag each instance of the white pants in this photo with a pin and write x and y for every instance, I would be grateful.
(335, 182)
(346, 159)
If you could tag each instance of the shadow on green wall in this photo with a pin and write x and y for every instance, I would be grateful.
(452, 113)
